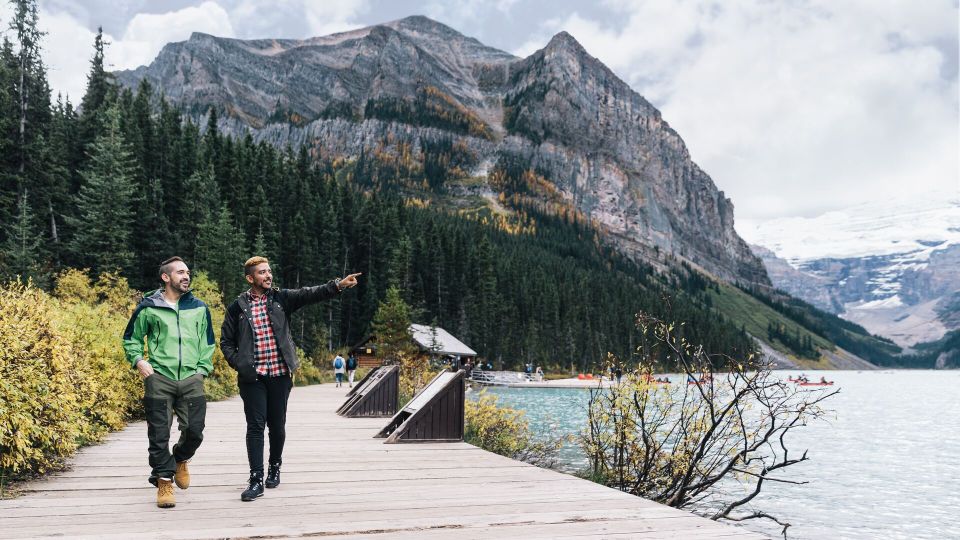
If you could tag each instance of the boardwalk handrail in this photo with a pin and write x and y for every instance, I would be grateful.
(499, 377)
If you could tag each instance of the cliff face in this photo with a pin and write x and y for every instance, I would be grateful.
(604, 148)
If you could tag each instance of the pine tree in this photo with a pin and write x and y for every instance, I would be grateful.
(399, 264)
(105, 204)
(260, 245)
(21, 251)
(95, 99)
(200, 203)
(220, 252)
(9, 166)
(391, 328)
(31, 87)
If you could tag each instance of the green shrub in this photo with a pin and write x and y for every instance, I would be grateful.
(63, 380)
(222, 383)
(505, 431)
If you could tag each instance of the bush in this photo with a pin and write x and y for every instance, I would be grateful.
(222, 383)
(63, 380)
(505, 431)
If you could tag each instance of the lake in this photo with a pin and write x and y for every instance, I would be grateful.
(885, 465)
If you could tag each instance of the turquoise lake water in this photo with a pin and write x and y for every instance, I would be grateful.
(885, 465)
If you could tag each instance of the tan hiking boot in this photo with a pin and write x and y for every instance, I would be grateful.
(165, 493)
(182, 476)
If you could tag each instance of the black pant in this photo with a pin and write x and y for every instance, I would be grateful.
(161, 398)
(265, 404)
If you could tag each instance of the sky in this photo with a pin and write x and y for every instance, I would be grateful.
(793, 107)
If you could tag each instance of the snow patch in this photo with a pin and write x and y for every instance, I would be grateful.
(910, 229)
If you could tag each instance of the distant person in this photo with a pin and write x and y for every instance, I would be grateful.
(351, 368)
(256, 340)
(539, 374)
(339, 368)
(468, 367)
(619, 373)
(176, 325)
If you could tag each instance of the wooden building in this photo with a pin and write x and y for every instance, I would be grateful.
(434, 343)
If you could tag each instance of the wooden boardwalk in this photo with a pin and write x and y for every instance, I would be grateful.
(337, 481)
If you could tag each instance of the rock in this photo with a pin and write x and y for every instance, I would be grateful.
(603, 148)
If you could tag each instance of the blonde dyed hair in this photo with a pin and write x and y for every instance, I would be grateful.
(252, 263)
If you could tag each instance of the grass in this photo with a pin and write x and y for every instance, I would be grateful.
(754, 316)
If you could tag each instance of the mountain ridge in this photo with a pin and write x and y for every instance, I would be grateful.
(889, 266)
(341, 95)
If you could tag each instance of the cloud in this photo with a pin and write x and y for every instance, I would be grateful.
(325, 18)
(296, 18)
(68, 43)
(794, 108)
(467, 13)
(147, 33)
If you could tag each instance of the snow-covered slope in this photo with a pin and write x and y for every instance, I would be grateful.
(889, 266)
(884, 228)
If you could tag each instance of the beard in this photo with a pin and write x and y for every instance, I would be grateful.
(182, 286)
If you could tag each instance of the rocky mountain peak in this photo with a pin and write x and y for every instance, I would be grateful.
(423, 25)
(564, 42)
(605, 151)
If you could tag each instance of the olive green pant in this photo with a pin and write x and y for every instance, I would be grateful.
(162, 397)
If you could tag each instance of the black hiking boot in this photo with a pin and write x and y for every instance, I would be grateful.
(255, 489)
(273, 476)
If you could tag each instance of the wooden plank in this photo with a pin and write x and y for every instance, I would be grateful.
(317, 522)
(337, 481)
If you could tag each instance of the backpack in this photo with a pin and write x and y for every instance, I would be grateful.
(351, 363)
(338, 363)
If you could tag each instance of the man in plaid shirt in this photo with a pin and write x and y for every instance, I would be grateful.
(256, 341)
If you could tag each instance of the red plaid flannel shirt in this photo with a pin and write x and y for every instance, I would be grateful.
(266, 356)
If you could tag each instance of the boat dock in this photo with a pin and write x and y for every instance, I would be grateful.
(338, 481)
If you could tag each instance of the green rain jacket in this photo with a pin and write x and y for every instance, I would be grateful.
(180, 341)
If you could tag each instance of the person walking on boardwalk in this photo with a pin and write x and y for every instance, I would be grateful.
(180, 346)
(351, 368)
(339, 369)
(256, 341)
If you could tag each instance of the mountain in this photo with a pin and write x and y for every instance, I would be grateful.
(557, 128)
(552, 146)
(892, 267)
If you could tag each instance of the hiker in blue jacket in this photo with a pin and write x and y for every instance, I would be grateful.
(339, 367)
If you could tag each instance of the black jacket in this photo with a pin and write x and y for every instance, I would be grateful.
(237, 337)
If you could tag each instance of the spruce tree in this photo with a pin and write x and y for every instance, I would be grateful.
(9, 165)
(220, 252)
(95, 99)
(21, 250)
(33, 95)
(391, 328)
(200, 203)
(105, 211)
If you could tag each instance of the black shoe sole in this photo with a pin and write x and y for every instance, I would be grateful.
(248, 499)
(271, 487)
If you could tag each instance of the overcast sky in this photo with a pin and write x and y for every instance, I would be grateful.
(793, 107)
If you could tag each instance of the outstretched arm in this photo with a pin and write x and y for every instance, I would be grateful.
(294, 299)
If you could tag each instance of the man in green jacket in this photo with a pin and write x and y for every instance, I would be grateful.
(179, 350)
